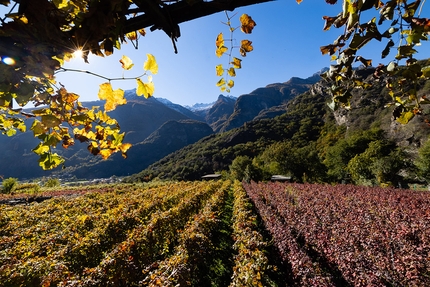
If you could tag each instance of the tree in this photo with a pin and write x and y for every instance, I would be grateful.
(423, 161)
(37, 36)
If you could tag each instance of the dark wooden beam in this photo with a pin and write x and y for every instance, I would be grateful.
(181, 11)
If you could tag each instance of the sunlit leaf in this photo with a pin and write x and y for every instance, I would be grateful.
(232, 72)
(245, 47)
(40, 149)
(126, 63)
(145, 89)
(142, 32)
(237, 63)
(230, 84)
(132, 36)
(113, 97)
(150, 64)
(60, 3)
(106, 153)
(219, 42)
(221, 50)
(49, 161)
(221, 82)
(219, 70)
(405, 117)
(247, 24)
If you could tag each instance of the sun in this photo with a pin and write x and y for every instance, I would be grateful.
(78, 53)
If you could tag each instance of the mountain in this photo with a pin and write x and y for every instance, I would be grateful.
(249, 106)
(183, 110)
(307, 132)
(221, 110)
(171, 136)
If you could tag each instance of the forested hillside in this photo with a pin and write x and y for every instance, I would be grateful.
(311, 143)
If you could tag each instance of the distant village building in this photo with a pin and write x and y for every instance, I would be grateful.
(211, 176)
(281, 178)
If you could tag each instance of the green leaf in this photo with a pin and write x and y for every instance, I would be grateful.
(49, 161)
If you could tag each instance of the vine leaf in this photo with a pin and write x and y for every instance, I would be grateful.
(245, 47)
(237, 63)
(50, 121)
(151, 64)
(144, 89)
(113, 97)
(219, 70)
(126, 63)
(231, 72)
(220, 48)
(49, 161)
(247, 24)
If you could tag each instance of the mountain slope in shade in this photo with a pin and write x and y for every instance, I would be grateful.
(171, 136)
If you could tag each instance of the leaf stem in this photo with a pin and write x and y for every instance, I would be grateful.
(98, 75)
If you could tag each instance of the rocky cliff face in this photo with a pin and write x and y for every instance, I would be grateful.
(219, 113)
(256, 103)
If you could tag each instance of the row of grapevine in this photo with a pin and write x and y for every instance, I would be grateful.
(195, 246)
(251, 262)
(347, 235)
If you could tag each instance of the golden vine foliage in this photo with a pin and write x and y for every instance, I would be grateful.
(36, 41)
(404, 30)
(247, 25)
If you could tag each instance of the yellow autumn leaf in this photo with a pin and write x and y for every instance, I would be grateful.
(232, 72)
(126, 63)
(247, 24)
(237, 63)
(219, 70)
(61, 3)
(230, 84)
(125, 147)
(144, 89)
(131, 36)
(142, 32)
(106, 153)
(245, 47)
(220, 51)
(150, 64)
(219, 42)
(113, 97)
(221, 82)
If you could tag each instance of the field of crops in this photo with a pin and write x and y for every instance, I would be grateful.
(348, 235)
(218, 234)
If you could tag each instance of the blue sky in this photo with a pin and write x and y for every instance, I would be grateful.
(286, 43)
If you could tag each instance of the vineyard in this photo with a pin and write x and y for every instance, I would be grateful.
(218, 234)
